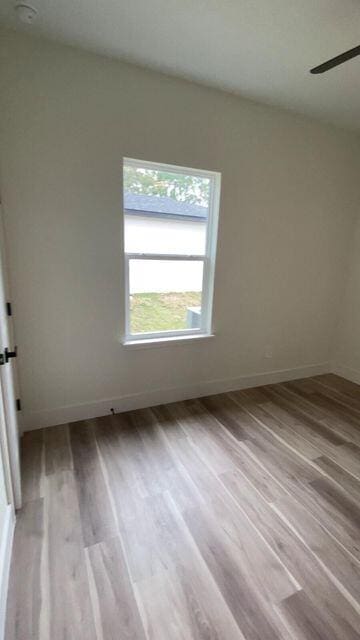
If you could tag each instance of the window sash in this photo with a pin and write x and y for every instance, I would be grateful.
(158, 166)
(181, 257)
(171, 333)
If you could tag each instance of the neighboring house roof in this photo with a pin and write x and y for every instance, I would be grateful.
(162, 206)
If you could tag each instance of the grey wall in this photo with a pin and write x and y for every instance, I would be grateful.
(347, 356)
(290, 191)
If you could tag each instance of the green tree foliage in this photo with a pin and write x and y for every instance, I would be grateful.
(181, 187)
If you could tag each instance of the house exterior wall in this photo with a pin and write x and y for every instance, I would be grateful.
(155, 235)
(164, 235)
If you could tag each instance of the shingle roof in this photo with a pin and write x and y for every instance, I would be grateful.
(162, 206)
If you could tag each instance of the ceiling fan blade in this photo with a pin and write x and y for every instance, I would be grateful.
(343, 57)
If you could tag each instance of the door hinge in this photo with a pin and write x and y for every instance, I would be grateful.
(2, 359)
(18, 404)
(8, 309)
(10, 354)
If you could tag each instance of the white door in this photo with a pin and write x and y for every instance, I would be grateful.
(9, 427)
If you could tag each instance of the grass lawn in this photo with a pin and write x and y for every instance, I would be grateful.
(161, 311)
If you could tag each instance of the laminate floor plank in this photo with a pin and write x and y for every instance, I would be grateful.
(322, 500)
(68, 605)
(115, 453)
(97, 518)
(315, 435)
(130, 469)
(115, 606)
(255, 565)
(155, 447)
(272, 577)
(25, 590)
(346, 480)
(317, 386)
(57, 449)
(252, 612)
(188, 452)
(221, 406)
(280, 537)
(263, 444)
(327, 512)
(288, 436)
(340, 564)
(338, 499)
(202, 427)
(187, 596)
(32, 465)
(286, 468)
(348, 457)
(286, 541)
(297, 479)
(169, 602)
(307, 385)
(337, 383)
(234, 516)
(304, 404)
(308, 622)
(238, 537)
(198, 582)
(344, 419)
(306, 420)
(338, 447)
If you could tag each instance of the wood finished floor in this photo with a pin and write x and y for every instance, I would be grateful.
(232, 517)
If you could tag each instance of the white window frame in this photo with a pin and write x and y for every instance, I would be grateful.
(208, 259)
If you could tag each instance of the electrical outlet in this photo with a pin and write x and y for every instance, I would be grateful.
(268, 352)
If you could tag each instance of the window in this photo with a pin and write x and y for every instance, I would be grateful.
(170, 228)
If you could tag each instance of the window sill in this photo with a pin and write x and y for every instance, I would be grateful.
(150, 343)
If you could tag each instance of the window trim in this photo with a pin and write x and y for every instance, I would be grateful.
(208, 259)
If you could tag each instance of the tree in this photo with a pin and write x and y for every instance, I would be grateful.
(181, 187)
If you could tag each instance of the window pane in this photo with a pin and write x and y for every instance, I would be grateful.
(146, 235)
(165, 295)
(165, 212)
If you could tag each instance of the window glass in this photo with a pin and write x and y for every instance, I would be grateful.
(165, 212)
(146, 235)
(165, 295)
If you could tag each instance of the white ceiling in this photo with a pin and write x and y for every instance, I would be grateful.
(262, 49)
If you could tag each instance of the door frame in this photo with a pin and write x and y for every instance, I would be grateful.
(9, 424)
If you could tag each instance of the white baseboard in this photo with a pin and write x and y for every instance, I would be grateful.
(346, 372)
(5, 559)
(63, 415)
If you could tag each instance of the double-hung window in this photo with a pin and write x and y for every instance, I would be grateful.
(170, 230)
